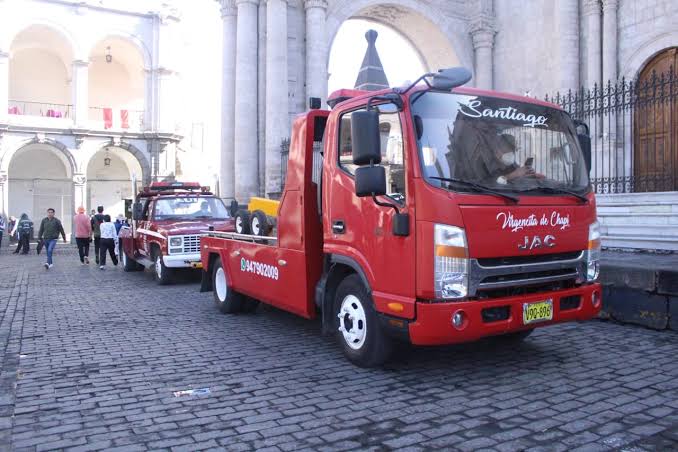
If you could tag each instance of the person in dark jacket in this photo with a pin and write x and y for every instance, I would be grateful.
(50, 229)
(24, 229)
(96, 232)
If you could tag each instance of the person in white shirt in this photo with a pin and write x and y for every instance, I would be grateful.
(109, 241)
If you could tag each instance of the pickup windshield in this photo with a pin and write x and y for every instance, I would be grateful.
(498, 144)
(190, 208)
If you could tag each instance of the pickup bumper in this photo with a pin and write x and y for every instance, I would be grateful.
(433, 324)
(191, 260)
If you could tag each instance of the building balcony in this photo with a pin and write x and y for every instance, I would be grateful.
(116, 119)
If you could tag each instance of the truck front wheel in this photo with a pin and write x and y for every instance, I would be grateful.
(128, 264)
(163, 275)
(358, 330)
(227, 300)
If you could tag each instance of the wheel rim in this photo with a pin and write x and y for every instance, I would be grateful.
(220, 284)
(158, 267)
(238, 224)
(353, 322)
(255, 226)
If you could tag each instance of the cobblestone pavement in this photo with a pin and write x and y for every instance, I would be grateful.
(90, 360)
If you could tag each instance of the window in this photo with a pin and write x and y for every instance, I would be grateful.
(392, 151)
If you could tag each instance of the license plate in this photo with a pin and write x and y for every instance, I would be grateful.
(540, 311)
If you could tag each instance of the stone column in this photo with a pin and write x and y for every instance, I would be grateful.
(80, 191)
(80, 93)
(609, 40)
(567, 19)
(482, 33)
(316, 49)
(591, 15)
(4, 196)
(277, 80)
(245, 135)
(226, 164)
(4, 85)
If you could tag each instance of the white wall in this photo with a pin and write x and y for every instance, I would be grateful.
(39, 76)
(115, 86)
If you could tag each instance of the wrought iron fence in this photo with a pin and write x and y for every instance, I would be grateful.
(634, 132)
(317, 161)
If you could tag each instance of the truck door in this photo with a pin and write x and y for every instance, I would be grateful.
(360, 229)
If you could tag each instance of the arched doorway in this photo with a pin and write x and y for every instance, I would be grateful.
(656, 125)
(116, 85)
(40, 177)
(109, 180)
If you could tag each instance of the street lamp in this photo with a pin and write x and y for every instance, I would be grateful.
(107, 159)
(109, 57)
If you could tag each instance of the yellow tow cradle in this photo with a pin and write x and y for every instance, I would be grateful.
(268, 206)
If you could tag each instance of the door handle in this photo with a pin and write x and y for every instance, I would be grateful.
(338, 226)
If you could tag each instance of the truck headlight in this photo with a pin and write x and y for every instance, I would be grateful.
(176, 241)
(593, 253)
(450, 254)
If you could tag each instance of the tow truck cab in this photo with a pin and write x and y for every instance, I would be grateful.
(168, 220)
(424, 230)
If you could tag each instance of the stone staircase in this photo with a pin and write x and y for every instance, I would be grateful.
(639, 220)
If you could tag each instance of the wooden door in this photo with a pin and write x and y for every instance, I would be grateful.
(656, 125)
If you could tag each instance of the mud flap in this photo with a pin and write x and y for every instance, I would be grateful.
(206, 281)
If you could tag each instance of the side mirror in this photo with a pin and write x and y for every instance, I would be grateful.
(584, 138)
(233, 208)
(447, 79)
(365, 137)
(137, 211)
(370, 180)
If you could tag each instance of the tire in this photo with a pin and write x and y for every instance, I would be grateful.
(358, 330)
(259, 224)
(163, 275)
(128, 264)
(227, 300)
(242, 222)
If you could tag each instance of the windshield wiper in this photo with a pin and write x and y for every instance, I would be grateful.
(560, 190)
(478, 187)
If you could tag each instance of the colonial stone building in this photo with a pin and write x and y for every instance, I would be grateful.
(275, 55)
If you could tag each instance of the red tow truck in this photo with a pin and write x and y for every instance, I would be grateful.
(408, 214)
(168, 220)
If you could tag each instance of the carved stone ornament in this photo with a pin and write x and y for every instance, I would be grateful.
(79, 179)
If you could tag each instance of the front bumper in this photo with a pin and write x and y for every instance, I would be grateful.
(433, 325)
(189, 260)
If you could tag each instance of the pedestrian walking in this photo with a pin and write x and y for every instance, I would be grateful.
(50, 229)
(83, 234)
(11, 229)
(120, 222)
(2, 228)
(108, 242)
(96, 233)
(24, 228)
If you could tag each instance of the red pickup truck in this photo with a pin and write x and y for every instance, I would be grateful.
(408, 215)
(167, 222)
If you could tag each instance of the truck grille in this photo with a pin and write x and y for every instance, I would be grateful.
(191, 244)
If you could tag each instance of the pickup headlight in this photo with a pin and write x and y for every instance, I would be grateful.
(450, 254)
(593, 253)
(176, 241)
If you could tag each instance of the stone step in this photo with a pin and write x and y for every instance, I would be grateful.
(643, 198)
(633, 219)
(644, 230)
(640, 242)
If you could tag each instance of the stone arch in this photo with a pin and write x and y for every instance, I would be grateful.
(140, 45)
(141, 158)
(645, 52)
(15, 28)
(62, 151)
(428, 34)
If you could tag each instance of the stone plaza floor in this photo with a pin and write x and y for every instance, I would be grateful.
(91, 360)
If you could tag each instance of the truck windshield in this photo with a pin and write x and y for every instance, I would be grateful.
(498, 144)
(190, 207)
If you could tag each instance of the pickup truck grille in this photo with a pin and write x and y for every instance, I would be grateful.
(191, 243)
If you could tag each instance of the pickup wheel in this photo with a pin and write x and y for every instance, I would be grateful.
(259, 224)
(227, 300)
(242, 222)
(128, 264)
(358, 330)
(163, 275)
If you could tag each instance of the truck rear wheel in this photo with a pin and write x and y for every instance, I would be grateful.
(358, 330)
(227, 300)
(128, 264)
(259, 224)
(163, 275)
(242, 222)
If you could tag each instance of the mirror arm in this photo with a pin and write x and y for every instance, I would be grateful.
(392, 97)
(423, 77)
(385, 204)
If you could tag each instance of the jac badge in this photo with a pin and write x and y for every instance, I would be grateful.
(535, 242)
